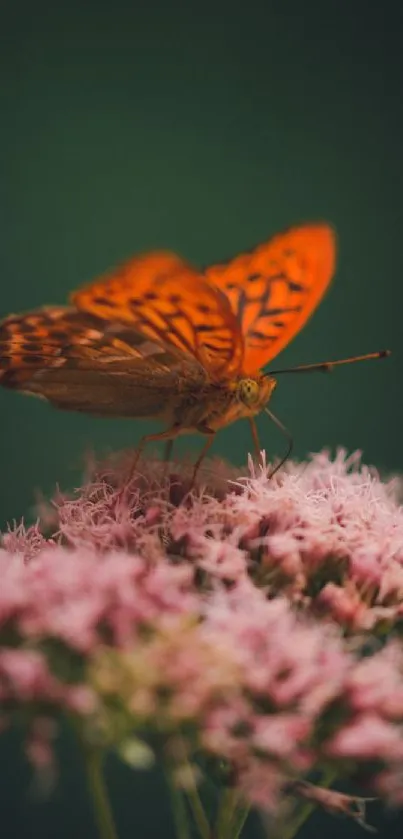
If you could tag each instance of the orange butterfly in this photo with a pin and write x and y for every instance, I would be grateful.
(156, 338)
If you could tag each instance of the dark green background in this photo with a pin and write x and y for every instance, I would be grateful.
(204, 128)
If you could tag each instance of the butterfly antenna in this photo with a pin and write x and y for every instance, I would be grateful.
(327, 366)
(288, 437)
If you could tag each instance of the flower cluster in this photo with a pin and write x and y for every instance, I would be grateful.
(244, 621)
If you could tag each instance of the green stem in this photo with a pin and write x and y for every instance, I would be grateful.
(240, 821)
(290, 830)
(199, 815)
(178, 809)
(224, 815)
(99, 793)
(235, 815)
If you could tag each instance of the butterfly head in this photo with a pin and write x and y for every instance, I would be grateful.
(254, 392)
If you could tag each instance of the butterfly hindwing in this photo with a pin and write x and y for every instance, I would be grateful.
(77, 362)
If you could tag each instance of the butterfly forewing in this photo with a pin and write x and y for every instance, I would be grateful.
(167, 301)
(276, 287)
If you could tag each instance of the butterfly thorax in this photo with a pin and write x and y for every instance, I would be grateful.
(219, 405)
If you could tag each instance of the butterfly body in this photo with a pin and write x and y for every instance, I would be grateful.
(157, 339)
(217, 405)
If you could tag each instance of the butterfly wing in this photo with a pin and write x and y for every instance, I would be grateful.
(167, 301)
(274, 289)
(77, 362)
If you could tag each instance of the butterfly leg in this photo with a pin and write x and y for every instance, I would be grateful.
(167, 457)
(255, 437)
(168, 435)
(202, 455)
(168, 450)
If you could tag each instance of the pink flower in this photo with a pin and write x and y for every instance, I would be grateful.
(241, 620)
(278, 735)
(376, 683)
(368, 738)
(25, 541)
(25, 676)
(344, 605)
(77, 595)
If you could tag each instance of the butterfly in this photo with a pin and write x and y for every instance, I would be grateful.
(156, 338)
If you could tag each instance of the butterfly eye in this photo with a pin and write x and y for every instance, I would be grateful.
(248, 392)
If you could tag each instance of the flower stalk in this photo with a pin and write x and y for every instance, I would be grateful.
(99, 794)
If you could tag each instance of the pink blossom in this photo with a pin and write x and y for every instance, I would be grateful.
(25, 541)
(285, 663)
(368, 737)
(277, 735)
(70, 594)
(220, 559)
(344, 605)
(243, 617)
(376, 683)
(25, 676)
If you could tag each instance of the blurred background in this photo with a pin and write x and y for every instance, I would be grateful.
(201, 128)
